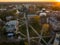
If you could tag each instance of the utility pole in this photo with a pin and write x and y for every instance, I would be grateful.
(25, 11)
(27, 28)
(56, 41)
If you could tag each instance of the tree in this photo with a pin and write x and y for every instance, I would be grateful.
(55, 8)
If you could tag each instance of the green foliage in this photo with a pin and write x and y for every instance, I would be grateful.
(7, 13)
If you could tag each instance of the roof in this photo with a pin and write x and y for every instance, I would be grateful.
(12, 22)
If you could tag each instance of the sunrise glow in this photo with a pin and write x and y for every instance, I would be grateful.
(58, 0)
(28, 0)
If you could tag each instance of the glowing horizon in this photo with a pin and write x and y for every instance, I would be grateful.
(29, 0)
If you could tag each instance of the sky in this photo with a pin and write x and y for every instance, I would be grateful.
(27, 0)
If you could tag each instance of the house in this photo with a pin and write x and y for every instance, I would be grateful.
(11, 26)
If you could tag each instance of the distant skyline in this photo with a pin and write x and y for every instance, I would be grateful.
(28, 0)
